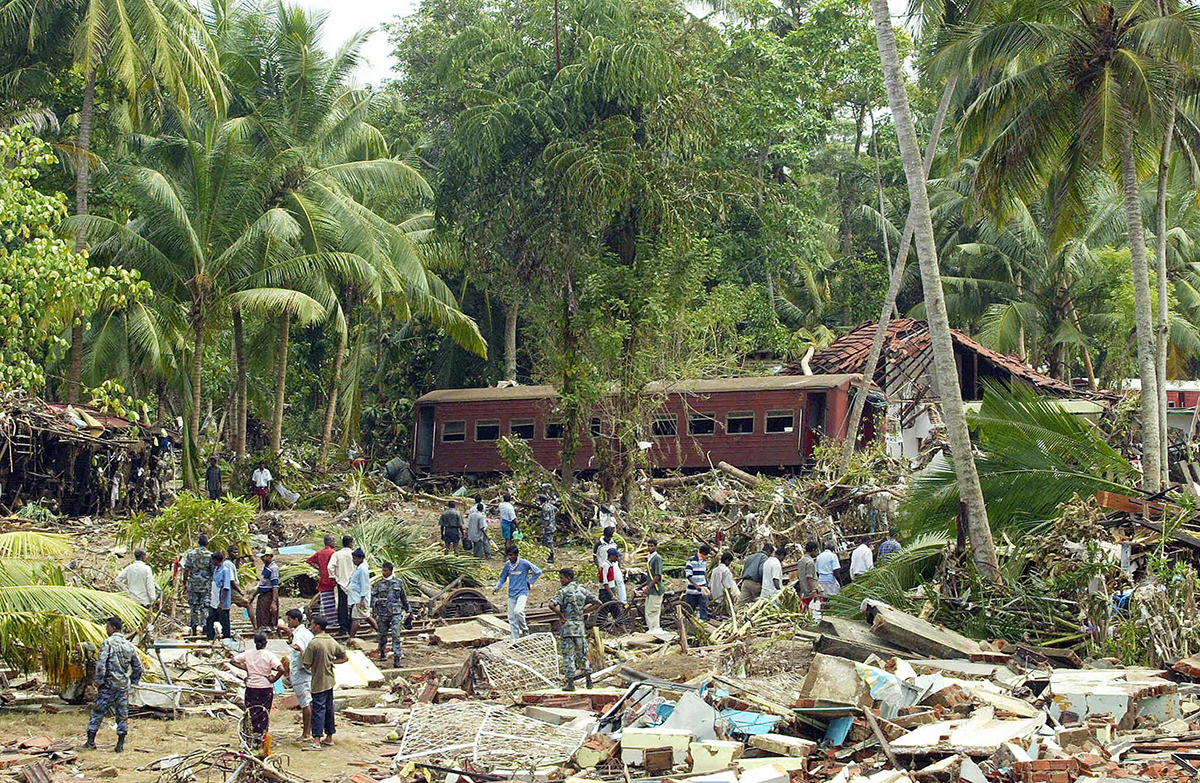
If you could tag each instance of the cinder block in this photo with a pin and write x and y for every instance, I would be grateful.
(635, 743)
(783, 745)
(714, 755)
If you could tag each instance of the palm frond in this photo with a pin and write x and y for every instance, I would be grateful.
(35, 544)
(891, 580)
(1036, 456)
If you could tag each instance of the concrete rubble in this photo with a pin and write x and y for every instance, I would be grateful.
(974, 713)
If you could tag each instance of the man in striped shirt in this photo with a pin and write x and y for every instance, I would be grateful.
(696, 595)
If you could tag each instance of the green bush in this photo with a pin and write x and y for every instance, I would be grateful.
(174, 531)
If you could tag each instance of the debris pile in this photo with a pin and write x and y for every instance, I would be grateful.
(892, 699)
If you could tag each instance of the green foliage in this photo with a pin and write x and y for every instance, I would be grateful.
(173, 532)
(110, 397)
(36, 512)
(44, 622)
(1036, 457)
(45, 285)
(408, 549)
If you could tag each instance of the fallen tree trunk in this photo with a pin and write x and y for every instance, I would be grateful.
(680, 481)
(739, 475)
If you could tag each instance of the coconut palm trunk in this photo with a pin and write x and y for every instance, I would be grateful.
(335, 381)
(280, 382)
(83, 173)
(1162, 327)
(239, 347)
(889, 301)
(1143, 317)
(979, 534)
(510, 341)
(197, 362)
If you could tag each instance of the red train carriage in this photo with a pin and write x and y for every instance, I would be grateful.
(765, 423)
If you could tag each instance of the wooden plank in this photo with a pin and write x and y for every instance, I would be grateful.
(1063, 659)
(1118, 502)
(918, 635)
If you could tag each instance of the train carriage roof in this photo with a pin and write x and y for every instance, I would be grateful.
(710, 386)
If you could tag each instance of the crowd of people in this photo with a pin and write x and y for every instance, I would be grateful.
(347, 600)
(711, 594)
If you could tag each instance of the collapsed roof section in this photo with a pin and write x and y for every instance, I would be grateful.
(904, 367)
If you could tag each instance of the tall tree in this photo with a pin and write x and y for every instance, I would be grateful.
(201, 235)
(1067, 90)
(154, 50)
(945, 374)
(334, 176)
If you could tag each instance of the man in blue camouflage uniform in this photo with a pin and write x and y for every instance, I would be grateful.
(117, 668)
(389, 603)
(198, 568)
(571, 603)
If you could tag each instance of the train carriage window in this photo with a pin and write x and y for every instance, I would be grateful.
(739, 423)
(665, 426)
(780, 422)
(554, 429)
(702, 424)
(521, 428)
(487, 429)
(454, 431)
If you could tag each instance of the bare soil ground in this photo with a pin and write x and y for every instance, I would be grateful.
(357, 750)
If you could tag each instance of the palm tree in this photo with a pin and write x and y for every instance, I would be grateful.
(945, 371)
(335, 178)
(151, 48)
(941, 20)
(202, 237)
(1080, 92)
(45, 622)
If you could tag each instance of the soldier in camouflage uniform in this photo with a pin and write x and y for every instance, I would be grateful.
(198, 568)
(570, 604)
(389, 604)
(117, 668)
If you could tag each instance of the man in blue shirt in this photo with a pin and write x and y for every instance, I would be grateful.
(220, 597)
(358, 592)
(520, 575)
(827, 563)
(889, 547)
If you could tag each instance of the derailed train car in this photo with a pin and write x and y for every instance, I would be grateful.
(770, 423)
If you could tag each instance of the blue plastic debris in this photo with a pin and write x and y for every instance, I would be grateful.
(750, 722)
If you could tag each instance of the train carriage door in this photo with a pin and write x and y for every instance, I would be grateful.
(814, 423)
(425, 436)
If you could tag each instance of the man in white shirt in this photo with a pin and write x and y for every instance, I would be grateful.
(300, 678)
(137, 580)
(261, 479)
(341, 568)
(600, 551)
(772, 574)
(508, 519)
(612, 581)
(722, 585)
(861, 561)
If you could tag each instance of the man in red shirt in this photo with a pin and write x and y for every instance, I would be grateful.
(326, 584)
